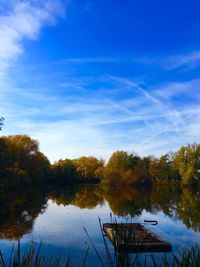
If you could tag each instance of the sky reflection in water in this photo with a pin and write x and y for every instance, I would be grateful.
(66, 212)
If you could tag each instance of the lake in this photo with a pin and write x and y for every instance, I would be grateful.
(57, 217)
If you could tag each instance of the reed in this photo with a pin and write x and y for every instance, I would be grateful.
(32, 257)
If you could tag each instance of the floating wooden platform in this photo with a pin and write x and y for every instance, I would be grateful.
(134, 237)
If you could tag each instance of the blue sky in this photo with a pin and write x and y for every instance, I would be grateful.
(88, 77)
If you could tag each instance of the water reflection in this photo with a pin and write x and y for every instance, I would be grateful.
(127, 200)
(20, 208)
(80, 196)
(166, 199)
(188, 209)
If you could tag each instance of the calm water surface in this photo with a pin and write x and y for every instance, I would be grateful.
(57, 217)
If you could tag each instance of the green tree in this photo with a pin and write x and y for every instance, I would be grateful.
(141, 174)
(187, 162)
(64, 171)
(163, 170)
(122, 160)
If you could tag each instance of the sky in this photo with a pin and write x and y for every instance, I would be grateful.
(89, 77)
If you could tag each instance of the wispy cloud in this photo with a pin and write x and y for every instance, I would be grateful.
(83, 60)
(23, 21)
(182, 60)
(188, 61)
(172, 89)
(98, 124)
(168, 111)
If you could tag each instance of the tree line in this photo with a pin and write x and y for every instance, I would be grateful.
(22, 162)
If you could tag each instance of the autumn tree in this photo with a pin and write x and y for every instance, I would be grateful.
(127, 169)
(20, 158)
(88, 168)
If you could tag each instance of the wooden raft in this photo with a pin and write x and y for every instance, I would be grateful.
(134, 238)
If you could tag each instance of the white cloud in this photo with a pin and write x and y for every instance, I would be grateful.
(23, 21)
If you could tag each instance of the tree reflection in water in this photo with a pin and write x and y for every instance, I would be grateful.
(85, 196)
(127, 200)
(189, 209)
(21, 207)
(166, 198)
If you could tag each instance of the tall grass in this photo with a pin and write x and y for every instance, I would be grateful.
(189, 257)
(32, 257)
